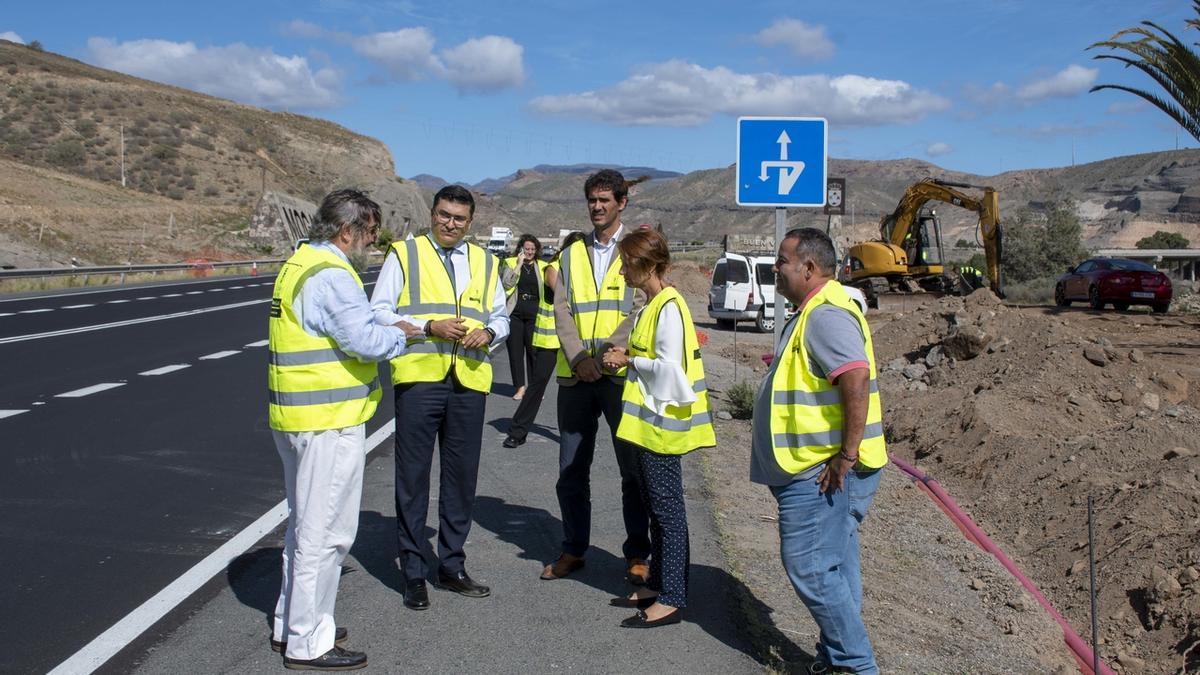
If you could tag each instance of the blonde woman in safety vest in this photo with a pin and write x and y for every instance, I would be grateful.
(817, 443)
(323, 386)
(665, 413)
(543, 346)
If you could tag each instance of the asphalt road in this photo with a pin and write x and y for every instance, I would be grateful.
(134, 445)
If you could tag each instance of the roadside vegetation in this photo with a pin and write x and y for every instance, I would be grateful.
(1039, 246)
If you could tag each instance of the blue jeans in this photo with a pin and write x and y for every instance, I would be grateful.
(818, 536)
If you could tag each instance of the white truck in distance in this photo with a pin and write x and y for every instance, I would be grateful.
(501, 241)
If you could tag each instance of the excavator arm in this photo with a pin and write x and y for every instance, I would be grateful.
(895, 227)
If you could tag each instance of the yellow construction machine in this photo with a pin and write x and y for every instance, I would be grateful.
(908, 259)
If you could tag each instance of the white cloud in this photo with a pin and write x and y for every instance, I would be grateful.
(680, 94)
(804, 40)
(485, 64)
(1069, 81)
(302, 28)
(988, 97)
(12, 37)
(1049, 131)
(250, 75)
(938, 149)
(406, 54)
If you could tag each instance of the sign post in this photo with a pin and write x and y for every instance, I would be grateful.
(781, 162)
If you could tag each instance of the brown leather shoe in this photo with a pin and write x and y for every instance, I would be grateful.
(638, 571)
(562, 567)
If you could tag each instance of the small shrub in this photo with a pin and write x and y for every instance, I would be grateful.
(211, 191)
(1032, 292)
(66, 153)
(175, 193)
(741, 400)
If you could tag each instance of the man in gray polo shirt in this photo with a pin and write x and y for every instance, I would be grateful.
(828, 402)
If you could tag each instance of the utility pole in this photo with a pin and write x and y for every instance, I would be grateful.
(122, 155)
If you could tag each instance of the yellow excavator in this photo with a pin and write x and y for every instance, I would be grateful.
(908, 259)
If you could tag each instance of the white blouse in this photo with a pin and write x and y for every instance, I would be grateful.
(662, 379)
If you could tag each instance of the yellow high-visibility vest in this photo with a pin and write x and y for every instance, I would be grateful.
(313, 385)
(428, 294)
(545, 336)
(806, 410)
(596, 311)
(677, 430)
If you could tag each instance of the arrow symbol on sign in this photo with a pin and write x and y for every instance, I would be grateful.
(789, 174)
(784, 140)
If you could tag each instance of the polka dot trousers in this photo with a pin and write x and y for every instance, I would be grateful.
(662, 493)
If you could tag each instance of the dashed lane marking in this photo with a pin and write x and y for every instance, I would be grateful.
(95, 653)
(117, 302)
(260, 343)
(11, 413)
(236, 288)
(220, 355)
(166, 369)
(172, 295)
(148, 297)
(129, 322)
(36, 311)
(88, 391)
(6, 313)
(88, 304)
(193, 293)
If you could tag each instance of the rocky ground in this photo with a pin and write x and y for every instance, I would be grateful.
(1021, 413)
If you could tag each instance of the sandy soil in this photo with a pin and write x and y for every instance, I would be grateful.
(1020, 428)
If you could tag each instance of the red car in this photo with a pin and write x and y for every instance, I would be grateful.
(1119, 281)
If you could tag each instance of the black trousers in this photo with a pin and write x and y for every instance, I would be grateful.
(520, 347)
(579, 410)
(544, 361)
(453, 415)
(662, 491)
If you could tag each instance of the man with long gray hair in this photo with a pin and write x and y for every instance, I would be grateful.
(323, 386)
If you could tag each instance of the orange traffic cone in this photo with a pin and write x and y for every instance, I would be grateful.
(254, 268)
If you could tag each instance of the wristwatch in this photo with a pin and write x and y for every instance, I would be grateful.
(429, 328)
(490, 332)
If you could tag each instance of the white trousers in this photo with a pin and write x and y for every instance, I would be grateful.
(323, 473)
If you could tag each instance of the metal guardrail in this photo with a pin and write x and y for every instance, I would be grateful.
(131, 268)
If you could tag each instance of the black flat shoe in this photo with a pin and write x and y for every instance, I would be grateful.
(416, 596)
(463, 584)
(640, 603)
(334, 659)
(639, 620)
(340, 637)
(512, 442)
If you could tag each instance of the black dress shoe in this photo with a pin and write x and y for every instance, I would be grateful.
(513, 441)
(639, 620)
(416, 596)
(334, 659)
(340, 637)
(640, 603)
(461, 583)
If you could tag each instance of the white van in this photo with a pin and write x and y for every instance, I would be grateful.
(750, 275)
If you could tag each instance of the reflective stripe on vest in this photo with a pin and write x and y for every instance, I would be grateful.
(545, 336)
(428, 295)
(596, 311)
(806, 410)
(677, 430)
(312, 384)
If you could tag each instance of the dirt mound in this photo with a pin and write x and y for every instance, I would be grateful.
(1024, 413)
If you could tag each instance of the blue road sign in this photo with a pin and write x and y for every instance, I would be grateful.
(781, 161)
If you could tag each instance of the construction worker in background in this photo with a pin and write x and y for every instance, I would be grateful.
(451, 289)
(972, 276)
(591, 314)
(817, 443)
(323, 385)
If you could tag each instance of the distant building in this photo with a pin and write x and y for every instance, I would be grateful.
(280, 219)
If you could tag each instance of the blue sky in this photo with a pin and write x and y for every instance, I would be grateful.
(469, 90)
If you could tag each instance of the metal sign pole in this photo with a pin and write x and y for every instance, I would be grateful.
(780, 301)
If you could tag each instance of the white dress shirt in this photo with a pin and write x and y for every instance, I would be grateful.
(332, 305)
(602, 255)
(662, 379)
(390, 284)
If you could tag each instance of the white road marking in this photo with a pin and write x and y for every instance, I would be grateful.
(172, 295)
(166, 369)
(146, 287)
(35, 311)
(235, 288)
(116, 302)
(11, 413)
(193, 293)
(90, 304)
(95, 653)
(220, 355)
(260, 343)
(6, 313)
(88, 391)
(129, 322)
(148, 297)
(216, 290)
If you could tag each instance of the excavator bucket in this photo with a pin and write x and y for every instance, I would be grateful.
(904, 302)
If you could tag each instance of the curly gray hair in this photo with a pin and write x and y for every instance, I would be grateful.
(344, 207)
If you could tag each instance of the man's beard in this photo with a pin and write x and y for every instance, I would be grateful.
(359, 257)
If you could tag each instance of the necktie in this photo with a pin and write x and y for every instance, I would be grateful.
(450, 268)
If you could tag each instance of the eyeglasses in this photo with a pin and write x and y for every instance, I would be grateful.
(443, 217)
